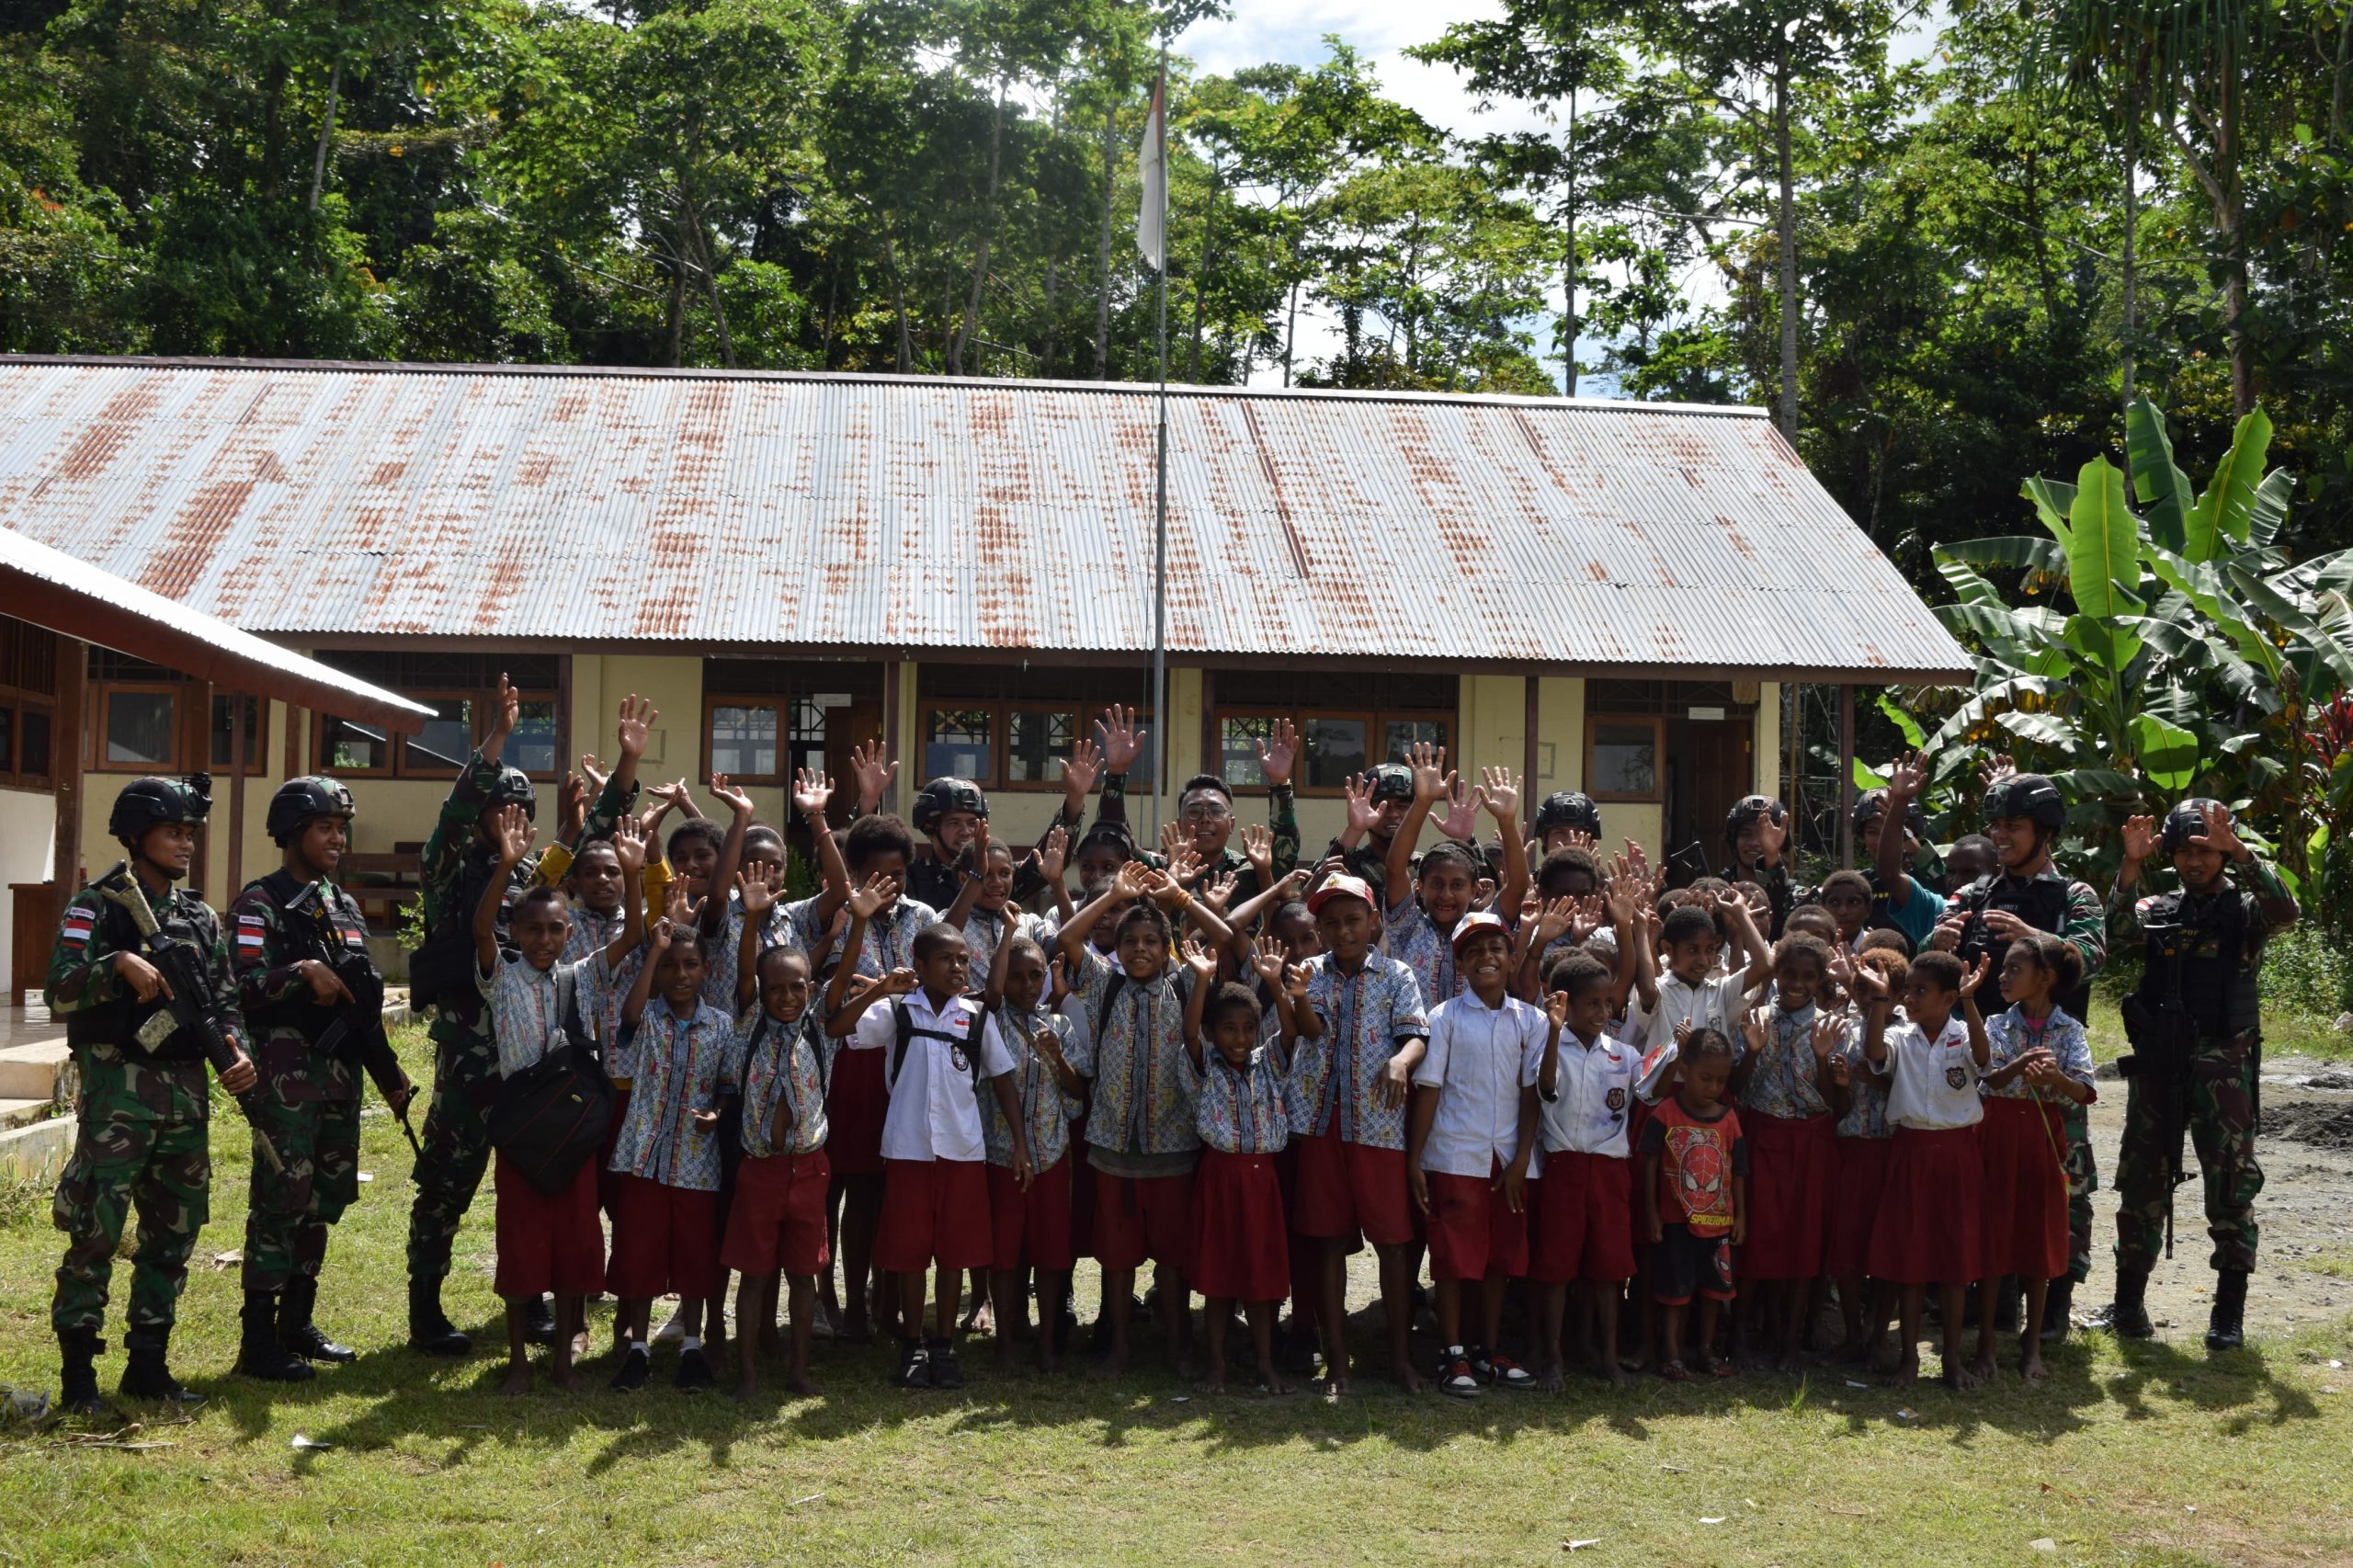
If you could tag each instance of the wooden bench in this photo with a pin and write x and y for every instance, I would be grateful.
(383, 885)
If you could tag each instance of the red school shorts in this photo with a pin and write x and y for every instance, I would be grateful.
(1472, 1232)
(1031, 1227)
(1345, 1188)
(665, 1241)
(1141, 1219)
(1929, 1229)
(856, 1103)
(2019, 1147)
(1240, 1250)
(547, 1243)
(933, 1211)
(1581, 1220)
(1862, 1181)
(778, 1220)
(1793, 1170)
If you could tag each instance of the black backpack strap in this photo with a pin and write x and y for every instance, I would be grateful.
(905, 1022)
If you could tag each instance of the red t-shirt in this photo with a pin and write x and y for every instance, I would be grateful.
(1697, 1161)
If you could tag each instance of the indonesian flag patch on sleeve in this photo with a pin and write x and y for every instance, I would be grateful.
(249, 932)
(75, 932)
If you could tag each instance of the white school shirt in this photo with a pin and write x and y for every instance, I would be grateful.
(1713, 1003)
(1480, 1058)
(934, 1113)
(1934, 1085)
(1593, 1095)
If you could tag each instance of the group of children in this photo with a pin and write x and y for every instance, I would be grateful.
(1508, 1060)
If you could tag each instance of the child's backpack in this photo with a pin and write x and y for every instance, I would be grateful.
(909, 1033)
(552, 1118)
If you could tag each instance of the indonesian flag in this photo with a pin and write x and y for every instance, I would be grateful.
(1149, 239)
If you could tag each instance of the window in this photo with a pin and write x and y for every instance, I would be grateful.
(138, 728)
(457, 687)
(764, 720)
(1346, 723)
(1622, 756)
(27, 702)
(223, 750)
(959, 741)
(1008, 728)
(742, 738)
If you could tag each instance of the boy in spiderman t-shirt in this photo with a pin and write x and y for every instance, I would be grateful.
(1695, 1168)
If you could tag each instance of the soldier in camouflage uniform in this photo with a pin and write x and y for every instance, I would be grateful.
(2205, 946)
(142, 1115)
(457, 863)
(292, 928)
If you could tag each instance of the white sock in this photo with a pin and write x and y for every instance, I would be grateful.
(637, 1346)
(691, 1342)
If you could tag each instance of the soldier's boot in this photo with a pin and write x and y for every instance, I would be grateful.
(2226, 1329)
(295, 1329)
(259, 1355)
(429, 1328)
(77, 1391)
(538, 1321)
(2128, 1316)
(148, 1374)
(2056, 1307)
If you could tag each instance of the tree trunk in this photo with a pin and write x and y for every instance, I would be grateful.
(326, 134)
(1103, 255)
(1783, 160)
(988, 236)
(676, 323)
(1290, 331)
(711, 289)
(1209, 231)
(1569, 263)
(899, 308)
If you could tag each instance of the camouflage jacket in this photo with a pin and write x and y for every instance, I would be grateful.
(99, 1006)
(1282, 827)
(286, 1022)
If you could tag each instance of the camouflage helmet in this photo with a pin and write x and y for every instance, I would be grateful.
(300, 802)
(1393, 781)
(512, 787)
(150, 802)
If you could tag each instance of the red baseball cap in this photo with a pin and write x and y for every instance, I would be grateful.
(1478, 920)
(1341, 886)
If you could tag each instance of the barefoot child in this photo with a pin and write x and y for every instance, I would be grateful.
(1471, 1136)
(1242, 1112)
(1583, 1197)
(545, 1243)
(1695, 1200)
(1030, 1229)
(1930, 1229)
(1792, 1139)
(1864, 1138)
(778, 1222)
(2038, 1062)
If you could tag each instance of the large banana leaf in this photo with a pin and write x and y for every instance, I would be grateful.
(2109, 645)
(1992, 695)
(2167, 752)
(2042, 729)
(2007, 550)
(2202, 584)
(2270, 507)
(2015, 637)
(2328, 652)
(1972, 588)
(2103, 543)
(2054, 501)
(2226, 509)
(2163, 489)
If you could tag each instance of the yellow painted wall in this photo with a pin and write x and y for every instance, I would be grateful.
(1560, 734)
(1768, 739)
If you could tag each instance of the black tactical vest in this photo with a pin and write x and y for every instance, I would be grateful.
(118, 1022)
(302, 937)
(2199, 945)
(2041, 903)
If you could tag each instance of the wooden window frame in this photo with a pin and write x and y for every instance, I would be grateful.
(779, 704)
(931, 710)
(1375, 721)
(102, 694)
(1656, 724)
(396, 764)
(1001, 711)
(17, 703)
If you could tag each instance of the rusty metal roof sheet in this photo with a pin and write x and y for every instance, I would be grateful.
(923, 515)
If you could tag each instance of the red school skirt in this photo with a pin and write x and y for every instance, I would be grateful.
(1930, 1229)
(1862, 1180)
(547, 1243)
(856, 1103)
(1793, 1170)
(1241, 1249)
(1032, 1227)
(2019, 1150)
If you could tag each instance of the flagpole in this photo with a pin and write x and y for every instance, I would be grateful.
(1160, 476)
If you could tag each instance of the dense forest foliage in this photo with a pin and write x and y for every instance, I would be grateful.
(1942, 274)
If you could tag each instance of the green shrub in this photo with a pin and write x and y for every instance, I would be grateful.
(2305, 971)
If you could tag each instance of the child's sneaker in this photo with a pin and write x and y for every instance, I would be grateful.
(1455, 1375)
(821, 1322)
(946, 1372)
(694, 1371)
(633, 1375)
(915, 1368)
(1500, 1371)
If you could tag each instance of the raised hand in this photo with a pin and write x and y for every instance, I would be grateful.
(660, 936)
(1185, 867)
(1682, 1032)
(678, 908)
(1556, 1008)
(727, 795)
(1500, 787)
(758, 887)
(1906, 777)
(1279, 754)
(1997, 768)
(1122, 741)
(513, 831)
(1841, 1074)
(507, 708)
(1462, 803)
(1295, 979)
(1974, 978)
(1130, 880)
(1083, 769)
(871, 769)
(1172, 837)
(1431, 780)
(1589, 917)
(1258, 847)
(1829, 1031)
(899, 982)
(1553, 920)
(1054, 858)
(1219, 891)
(872, 896)
(1199, 961)
(628, 849)
(1268, 957)
(571, 806)
(637, 720)
(1362, 812)
(593, 771)
(1757, 1029)
(813, 790)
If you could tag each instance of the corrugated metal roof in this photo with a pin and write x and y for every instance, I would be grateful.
(923, 514)
(49, 588)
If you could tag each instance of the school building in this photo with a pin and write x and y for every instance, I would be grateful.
(1607, 595)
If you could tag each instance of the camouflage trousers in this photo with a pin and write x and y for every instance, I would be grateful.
(456, 1147)
(2218, 1098)
(2083, 1179)
(142, 1142)
(288, 1218)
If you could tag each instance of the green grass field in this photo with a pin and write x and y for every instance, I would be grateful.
(2154, 1454)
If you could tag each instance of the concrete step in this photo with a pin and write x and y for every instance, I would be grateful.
(21, 1112)
(37, 1151)
(30, 1071)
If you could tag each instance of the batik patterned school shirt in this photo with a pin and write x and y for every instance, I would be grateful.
(526, 1004)
(984, 928)
(591, 933)
(1240, 1110)
(1046, 1111)
(722, 972)
(1416, 941)
(890, 941)
(1367, 1017)
(1866, 1090)
(1133, 1053)
(1786, 1079)
(682, 1066)
(781, 1064)
(2011, 1034)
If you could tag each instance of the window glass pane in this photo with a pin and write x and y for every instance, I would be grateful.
(222, 715)
(1624, 761)
(447, 740)
(349, 747)
(1037, 742)
(532, 745)
(1335, 750)
(1399, 735)
(742, 741)
(36, 747)
(956, 743)
(1237, 750)
(8, 741)
(808, 735)
(139, 728)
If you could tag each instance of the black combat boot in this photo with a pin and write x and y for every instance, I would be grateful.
(148, 1376)
(295, 1330)
(77, 1391)
(538, 1321)
(429, 1328)
(2226, 1329)
(259, 1353)
(2128, 1318)
(2056, 1307)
